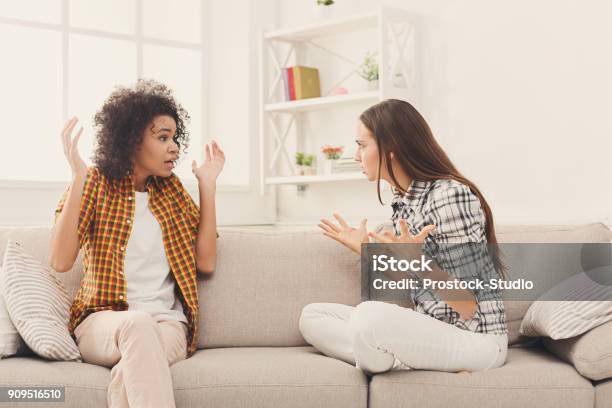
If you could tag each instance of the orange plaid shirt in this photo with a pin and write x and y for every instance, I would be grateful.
(105, 220)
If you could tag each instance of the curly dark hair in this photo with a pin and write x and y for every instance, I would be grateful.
(121, 122)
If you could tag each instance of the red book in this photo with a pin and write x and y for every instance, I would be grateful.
(291, 84)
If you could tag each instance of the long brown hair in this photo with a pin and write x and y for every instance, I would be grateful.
(399, 128)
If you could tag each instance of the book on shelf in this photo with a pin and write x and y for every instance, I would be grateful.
(290, 84)
(286, 84)
(301, 83)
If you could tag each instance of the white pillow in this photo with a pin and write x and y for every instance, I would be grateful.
(38, 305)
(566, 316)
(11, 342)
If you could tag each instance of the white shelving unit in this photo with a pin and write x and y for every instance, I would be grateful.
(396, 53)
(311, 104)
(325, 29)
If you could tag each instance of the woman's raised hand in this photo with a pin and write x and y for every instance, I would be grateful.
(348, 236)
(214, 160)
(71, 147)
(405, 237)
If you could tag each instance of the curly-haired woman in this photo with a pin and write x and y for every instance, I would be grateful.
(143, 239)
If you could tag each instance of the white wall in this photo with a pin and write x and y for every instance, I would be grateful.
(519, 95)
(232, 118)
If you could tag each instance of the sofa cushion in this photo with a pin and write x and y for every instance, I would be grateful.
(515, 310)
(572, 314)
(264, 279)
(590, 353)
(35, 241)
(85, 384)
(603, 394)
(267, 377)
(507, 234)
(231, 377)
(38, 305)
(530, 378)
(11, 342)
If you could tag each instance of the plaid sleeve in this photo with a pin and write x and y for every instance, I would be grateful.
(88, 204)
(459, 243)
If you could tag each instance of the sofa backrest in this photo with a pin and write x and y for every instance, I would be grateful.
(35, 240)
(262, 282)
(265, 278)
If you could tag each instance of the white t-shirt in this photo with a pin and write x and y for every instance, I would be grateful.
(150, 284)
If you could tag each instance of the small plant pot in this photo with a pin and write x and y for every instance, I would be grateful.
(373, 85)
(399, 81)
(305, 170)
(323, 13)
(328, 166)
(309, 170)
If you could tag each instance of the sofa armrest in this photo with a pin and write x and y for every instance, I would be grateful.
(590, 353)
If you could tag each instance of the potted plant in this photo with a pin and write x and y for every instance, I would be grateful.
(368, 70)
(305, 164)
(332, 153)
(323, 9)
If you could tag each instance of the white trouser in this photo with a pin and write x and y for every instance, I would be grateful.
(378, 337)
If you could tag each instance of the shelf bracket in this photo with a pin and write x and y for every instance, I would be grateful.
(354, 64)
(301, 189)
(278, 67)
(281, 148)
(400, 48)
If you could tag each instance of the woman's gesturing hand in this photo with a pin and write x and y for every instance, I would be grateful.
(348, 236)
(214, 160)
(71, 147)
(406, 237)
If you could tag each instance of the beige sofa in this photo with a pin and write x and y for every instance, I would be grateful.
(252, 354)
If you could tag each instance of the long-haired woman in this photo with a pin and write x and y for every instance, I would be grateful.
(441, 212)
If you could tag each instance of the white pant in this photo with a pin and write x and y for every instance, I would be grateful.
(378, 337)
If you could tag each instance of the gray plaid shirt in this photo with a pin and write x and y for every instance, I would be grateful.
(458, 245)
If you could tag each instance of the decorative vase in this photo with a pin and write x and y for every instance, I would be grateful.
(328, 165)
(373, 85)
(309, 170)
(305, 170)
(399, 81)
(323, 13)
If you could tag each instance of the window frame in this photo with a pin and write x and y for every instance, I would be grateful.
(140, 40)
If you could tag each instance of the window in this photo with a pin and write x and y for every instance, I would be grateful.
(63, 58)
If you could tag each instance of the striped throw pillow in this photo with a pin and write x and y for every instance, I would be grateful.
(565, 311)
(38, 305)
(11, 342)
